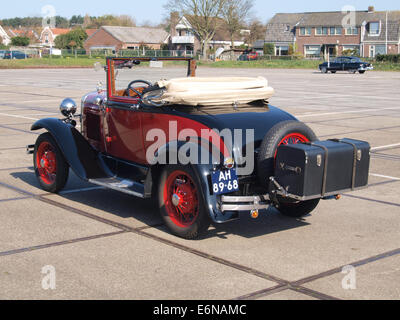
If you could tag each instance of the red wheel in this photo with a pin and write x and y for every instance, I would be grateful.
(181, 199)
(287, 132)
(46, 163)
(181, 203)
(50, 166)
(293, 138)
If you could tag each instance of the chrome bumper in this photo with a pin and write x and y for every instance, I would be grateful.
(244, 203)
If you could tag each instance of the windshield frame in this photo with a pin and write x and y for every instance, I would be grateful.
(111, 72)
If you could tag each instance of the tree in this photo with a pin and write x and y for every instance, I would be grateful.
(269, 49)
(20, 41)
(203, 15)
(235, 13)
(76, 20)
(62, 22)
(109, 20)
(87, 21)
(71, 40)
(257, 32)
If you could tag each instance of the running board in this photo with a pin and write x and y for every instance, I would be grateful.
(122, 185)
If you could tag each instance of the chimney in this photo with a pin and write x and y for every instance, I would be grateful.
(371, 9)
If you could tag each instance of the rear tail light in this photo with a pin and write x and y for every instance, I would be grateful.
(229, 163)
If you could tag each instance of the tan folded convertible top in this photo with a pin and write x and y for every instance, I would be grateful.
(214, 91)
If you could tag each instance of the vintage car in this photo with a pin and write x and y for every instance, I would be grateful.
(205, 149)
(350, 64)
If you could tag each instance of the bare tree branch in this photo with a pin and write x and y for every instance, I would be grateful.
(203, 15)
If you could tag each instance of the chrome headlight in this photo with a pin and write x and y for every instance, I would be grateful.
(68, 107)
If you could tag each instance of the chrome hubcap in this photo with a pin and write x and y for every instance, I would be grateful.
(176, 200)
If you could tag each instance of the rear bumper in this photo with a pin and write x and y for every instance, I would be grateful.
(366, 68)
(244, 203)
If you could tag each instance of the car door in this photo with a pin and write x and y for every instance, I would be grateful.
(123, 130)
(336, 65)
(346, 64)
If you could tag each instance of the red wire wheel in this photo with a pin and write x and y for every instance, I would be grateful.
(51, 169)
(181, 199)
(283, 133)
(46, 163)
(293, 138)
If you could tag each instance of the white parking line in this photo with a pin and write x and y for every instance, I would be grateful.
(385, 147)
(343, 112)
(15, 116)
(383, 176)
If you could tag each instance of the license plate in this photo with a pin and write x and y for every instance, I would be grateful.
(225, 181)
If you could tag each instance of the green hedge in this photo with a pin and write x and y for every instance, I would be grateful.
(394, 58)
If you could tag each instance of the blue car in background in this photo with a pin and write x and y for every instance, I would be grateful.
(15, 55)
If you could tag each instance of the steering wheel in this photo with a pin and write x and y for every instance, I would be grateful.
(134, 90)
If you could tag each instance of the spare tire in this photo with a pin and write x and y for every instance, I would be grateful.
(286, 132)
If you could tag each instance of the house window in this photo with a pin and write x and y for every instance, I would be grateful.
(353, 48)
(282, 50)
(319, 31)
(352, 31)
(335, 31)
(380, 49)
(305, 31)
(376, 49)
(374, 28)
(312, 50)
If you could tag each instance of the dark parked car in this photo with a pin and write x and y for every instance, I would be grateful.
(15, 55)
(350, 64)
(204, 149)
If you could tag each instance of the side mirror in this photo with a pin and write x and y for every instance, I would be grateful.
(68, 107)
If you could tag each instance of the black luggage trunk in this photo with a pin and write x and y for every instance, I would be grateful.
(323, 168)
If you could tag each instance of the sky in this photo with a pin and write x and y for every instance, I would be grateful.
(153, 11)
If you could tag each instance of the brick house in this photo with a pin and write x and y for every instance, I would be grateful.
(30, 33)
(117, 38)
(380, 34)
(281, 32)
(48, 35)
(323, 33)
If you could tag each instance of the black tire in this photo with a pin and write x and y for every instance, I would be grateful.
(324, 70)
(198, 225)
(297, 209)
(266, 164)
(266, 156)
(333, 71)
(60, 175)
(361, 72)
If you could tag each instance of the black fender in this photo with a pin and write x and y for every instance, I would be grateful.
(79, 154)
(203, 173)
